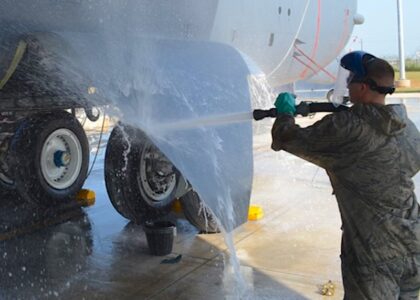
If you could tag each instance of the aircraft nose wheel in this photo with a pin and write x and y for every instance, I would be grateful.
(50, 155)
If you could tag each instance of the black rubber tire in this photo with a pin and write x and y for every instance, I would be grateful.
(9, 195)
(6, 188)
(8, 191)
(125, 192)
(202, 219)
(25, 153)
(7, 184)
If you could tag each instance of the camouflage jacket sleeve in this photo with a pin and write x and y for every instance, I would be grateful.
(410, 160)
(336, 140)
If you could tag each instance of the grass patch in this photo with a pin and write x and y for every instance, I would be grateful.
(414, 76)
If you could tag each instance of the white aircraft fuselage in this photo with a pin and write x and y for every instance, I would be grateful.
(288, 40)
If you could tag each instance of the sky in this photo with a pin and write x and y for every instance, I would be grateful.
(379, 33)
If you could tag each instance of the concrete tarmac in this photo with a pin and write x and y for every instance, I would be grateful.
(288, 254)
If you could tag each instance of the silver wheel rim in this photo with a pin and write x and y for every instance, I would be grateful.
(61, 177)
(158, 183)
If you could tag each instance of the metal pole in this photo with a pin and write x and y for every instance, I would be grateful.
(401, 40)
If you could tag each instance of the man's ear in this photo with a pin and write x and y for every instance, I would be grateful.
(364, 88)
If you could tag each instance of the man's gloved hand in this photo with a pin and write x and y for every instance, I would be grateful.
(285, 104)
(284, 129)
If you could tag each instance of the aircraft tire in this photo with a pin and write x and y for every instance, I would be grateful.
(141, 182)
(50, 158)
(5, 188)
(6, 193)
(200, 218)
(7, 185)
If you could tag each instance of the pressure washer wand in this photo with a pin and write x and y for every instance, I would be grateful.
(303, 109)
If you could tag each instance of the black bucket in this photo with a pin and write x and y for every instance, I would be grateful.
(160, 237)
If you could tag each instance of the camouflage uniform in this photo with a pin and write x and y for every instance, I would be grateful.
(370, 153)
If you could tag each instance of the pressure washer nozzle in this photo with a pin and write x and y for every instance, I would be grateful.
(260, 114)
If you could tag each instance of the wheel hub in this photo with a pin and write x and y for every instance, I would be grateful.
(157, 174)
(61, 158)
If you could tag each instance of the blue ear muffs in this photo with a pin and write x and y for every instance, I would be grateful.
(355, 62)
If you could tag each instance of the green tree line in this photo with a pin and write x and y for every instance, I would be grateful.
(411, 64)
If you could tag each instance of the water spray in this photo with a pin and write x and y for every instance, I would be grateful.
(215, 120)
(304, 109)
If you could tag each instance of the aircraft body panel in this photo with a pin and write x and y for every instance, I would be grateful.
(182, 19)
(263, 32)
(288, 40)
(325, 31)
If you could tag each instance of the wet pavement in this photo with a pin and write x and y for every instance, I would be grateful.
(97, 254)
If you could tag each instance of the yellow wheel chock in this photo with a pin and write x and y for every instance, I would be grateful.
(86, 197)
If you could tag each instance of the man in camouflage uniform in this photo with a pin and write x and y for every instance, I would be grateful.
(370, 153)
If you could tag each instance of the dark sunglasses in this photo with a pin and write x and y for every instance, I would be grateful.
(372, 85)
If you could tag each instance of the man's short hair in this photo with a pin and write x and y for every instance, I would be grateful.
(381, 71)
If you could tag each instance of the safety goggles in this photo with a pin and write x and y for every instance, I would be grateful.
(371, 83)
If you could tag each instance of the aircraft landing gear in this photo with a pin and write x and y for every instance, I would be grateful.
(141, 182)
(49, 156)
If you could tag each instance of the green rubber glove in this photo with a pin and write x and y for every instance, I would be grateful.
(285, 104)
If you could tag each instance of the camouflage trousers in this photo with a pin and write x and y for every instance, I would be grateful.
(395, 279)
